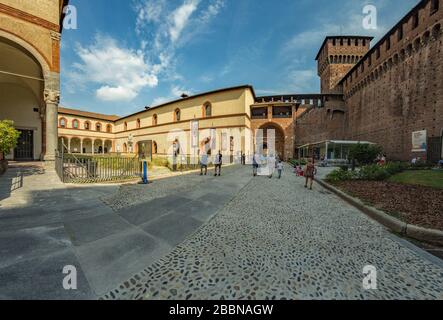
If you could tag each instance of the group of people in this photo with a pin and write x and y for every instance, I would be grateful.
(270, 164)
(204, 161)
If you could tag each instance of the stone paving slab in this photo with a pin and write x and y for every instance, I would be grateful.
(41, 278)
(144, 212)
(18, 245)
(110, 260)
(172, 228)
(90, 229)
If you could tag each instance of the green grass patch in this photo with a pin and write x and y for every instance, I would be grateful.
(428, 178)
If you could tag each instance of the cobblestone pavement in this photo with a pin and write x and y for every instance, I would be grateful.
(277, 240)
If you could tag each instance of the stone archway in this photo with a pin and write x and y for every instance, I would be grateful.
(268, 128)
(29, 90)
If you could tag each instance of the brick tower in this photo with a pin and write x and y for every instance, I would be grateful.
(337, 55)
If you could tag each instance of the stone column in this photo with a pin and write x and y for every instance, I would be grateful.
(103, 146)
(93, 146)
(69, 145)
(81, 146)
(51, 98)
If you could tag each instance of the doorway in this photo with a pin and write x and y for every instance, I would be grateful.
(25, 146)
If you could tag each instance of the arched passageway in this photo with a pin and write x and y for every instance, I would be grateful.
(273, 140)
(29, 96)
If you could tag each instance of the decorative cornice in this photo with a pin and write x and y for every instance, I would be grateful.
(28, 17)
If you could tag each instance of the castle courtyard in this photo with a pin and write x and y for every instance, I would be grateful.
(193, 237)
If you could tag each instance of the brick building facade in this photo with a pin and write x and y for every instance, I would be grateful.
(384, 93)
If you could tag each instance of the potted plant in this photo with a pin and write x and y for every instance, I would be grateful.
(8, 140)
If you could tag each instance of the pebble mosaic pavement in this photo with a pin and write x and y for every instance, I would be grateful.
(277, 240)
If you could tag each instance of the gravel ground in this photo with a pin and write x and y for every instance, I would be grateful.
(277, 240)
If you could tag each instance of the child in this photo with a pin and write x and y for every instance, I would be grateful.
(299, 171)
(279, 168)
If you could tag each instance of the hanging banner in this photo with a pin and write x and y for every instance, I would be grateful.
(419, 141)
(194, 134)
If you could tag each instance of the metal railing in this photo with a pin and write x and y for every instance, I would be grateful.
(90, 169)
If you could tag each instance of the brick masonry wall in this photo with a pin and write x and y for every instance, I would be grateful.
(391, 93)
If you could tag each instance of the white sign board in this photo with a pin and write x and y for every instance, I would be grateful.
(419, 141)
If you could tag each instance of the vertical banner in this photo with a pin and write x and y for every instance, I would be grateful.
(194, 142)
(194, 134)
(419, 141)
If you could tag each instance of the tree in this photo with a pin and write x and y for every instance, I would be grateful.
(8, 136)
(364, 153)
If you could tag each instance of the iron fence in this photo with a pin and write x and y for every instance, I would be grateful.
(93, 169)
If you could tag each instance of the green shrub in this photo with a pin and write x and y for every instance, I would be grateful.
(344, 168)
(341, 175)
(373, 172)
(364, 154)
(395, 167)
(8, 136)
(160, 162)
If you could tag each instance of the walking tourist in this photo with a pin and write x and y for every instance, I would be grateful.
(310, 172)
(279, 168)
(203, 163)
(218, 164)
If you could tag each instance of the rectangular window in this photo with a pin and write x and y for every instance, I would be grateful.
(435, 5)
(388, 43)
(377, 53)
(415, 20)
(400, 33)
(370, 60)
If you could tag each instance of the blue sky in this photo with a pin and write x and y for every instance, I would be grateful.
(127, 54)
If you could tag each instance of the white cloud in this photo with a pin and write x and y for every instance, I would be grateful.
(212, 10)
(180, 18)
(175, 93)
(120, 72)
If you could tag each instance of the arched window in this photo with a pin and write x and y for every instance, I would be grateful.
(87, 125)
(62, 123)
(177, 115)
(207, 110)
(75, 124)
(98, 127)
(154, 120)
(126, 126)
(109, 128)
(138, 123)
(154, 148)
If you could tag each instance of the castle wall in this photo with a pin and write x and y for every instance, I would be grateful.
(394, 92)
